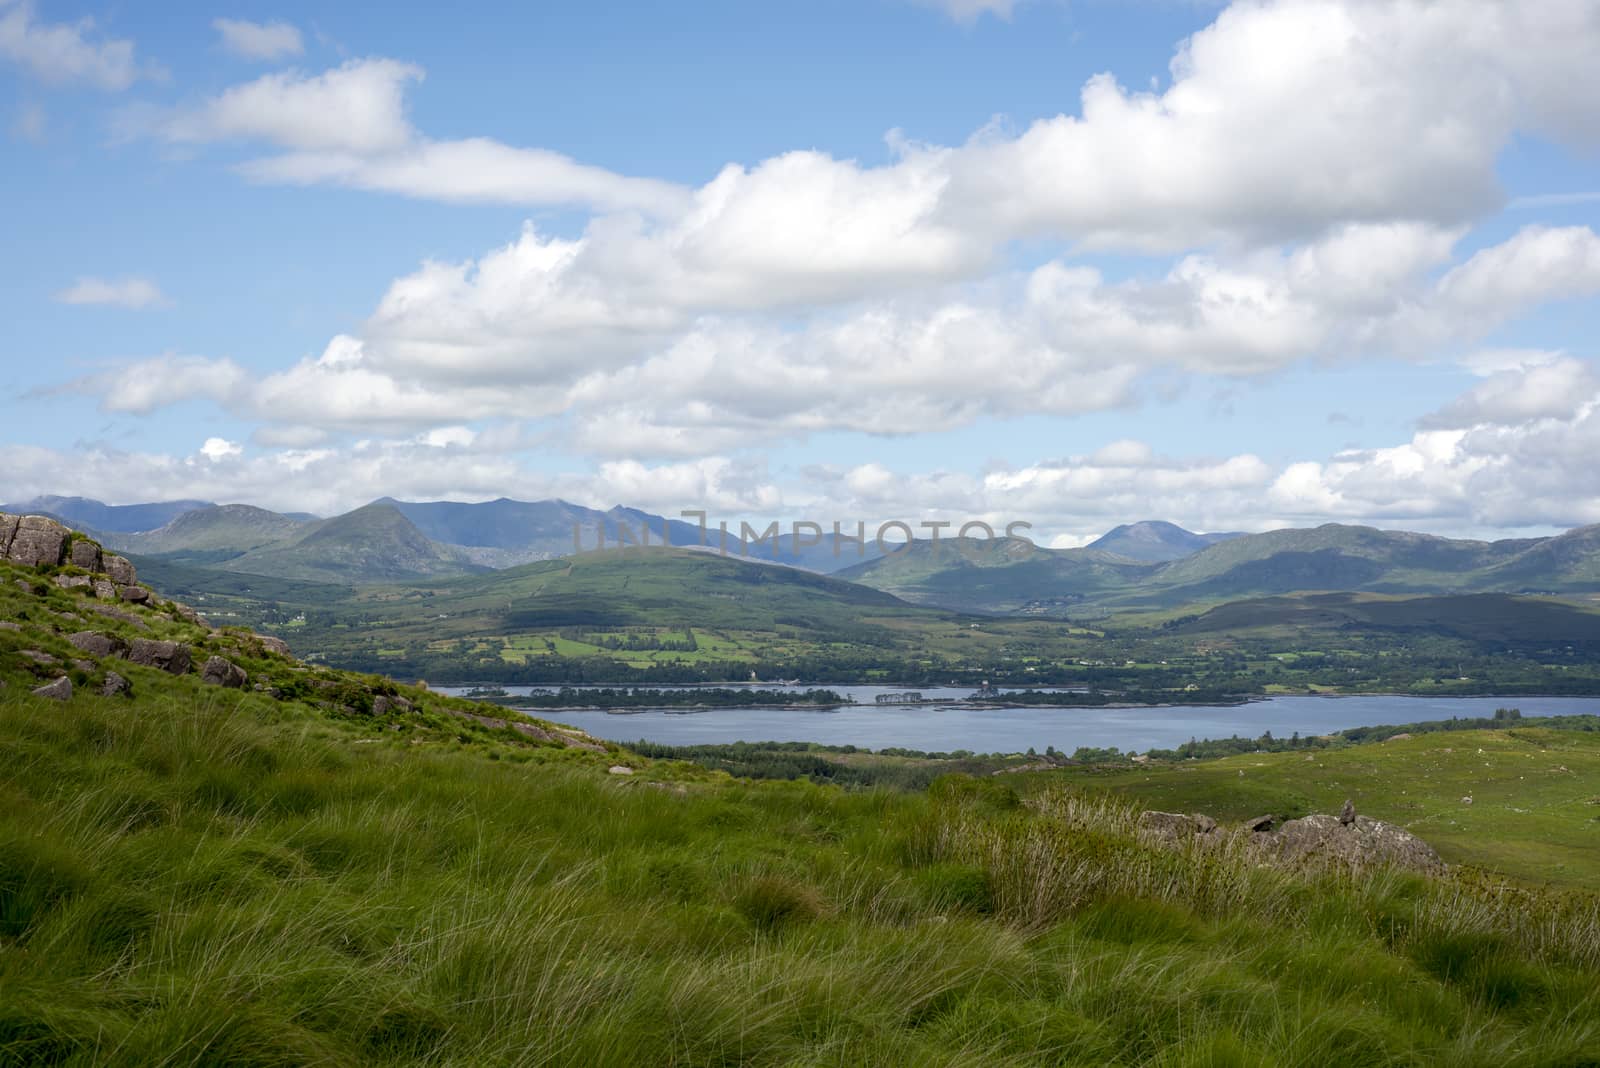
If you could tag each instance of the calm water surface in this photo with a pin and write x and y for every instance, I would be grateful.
(937, 728)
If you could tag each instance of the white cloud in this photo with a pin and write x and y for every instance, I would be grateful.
(145, 386)
(219, 449)
(1559, 389)
(122, 293)
(62, 53)
(348, 126)
(259, 40)
(358, 107)
(476, 170)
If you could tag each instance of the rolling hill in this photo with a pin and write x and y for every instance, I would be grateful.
(212, 534)
(371, 544)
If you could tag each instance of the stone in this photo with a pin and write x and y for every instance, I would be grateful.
(105, 589)
(380, 705)
(8, 625)
(120, 571)
(171, 657)
(1347, 814)
(1175, 828)
(37, 657)
(133, 594)
(186, 613)
(85, 554)
(8, 528)
(73, 582)
(1363, 842)
(219, 671)
(38, 542)
(95, 643)
(1260, 825)
(115, 685)
(274, 645)
(618, 769)
(59, 690)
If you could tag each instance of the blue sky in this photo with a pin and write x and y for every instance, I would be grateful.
(1234, 266)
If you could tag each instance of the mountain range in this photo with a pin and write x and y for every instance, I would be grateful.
(389, 539)
(1017, 577)
(1150, 565)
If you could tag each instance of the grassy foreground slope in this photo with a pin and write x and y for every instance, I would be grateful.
(188, 884)
(195, 875)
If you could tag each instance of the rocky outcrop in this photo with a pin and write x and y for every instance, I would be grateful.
(85, 554)
(273, 645)
(219, 671)
(8, 529)
(115, 685)
(171, 657)
(73, 582)
(59, 690)
(95, 643)
(1361, 843)
(1347, 839)
(37, 542)
(133, 594)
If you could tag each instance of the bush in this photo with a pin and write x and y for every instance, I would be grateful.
(773, 902)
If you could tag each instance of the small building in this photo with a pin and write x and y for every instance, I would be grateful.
(909, 697)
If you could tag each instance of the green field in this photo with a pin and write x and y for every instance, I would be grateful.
(1534, 813)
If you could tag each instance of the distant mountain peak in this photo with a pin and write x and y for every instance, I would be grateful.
(1154, 541)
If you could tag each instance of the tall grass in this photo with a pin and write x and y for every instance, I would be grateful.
(184, 883)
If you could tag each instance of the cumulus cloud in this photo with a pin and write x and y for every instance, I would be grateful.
(542, 328)
(132, 293)
(1558, 389)
(1281, 119)
(264, 41)
(1515, 451)
(64, 53)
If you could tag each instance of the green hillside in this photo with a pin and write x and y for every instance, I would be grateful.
(193, 874)
(212, 535)
(1000, 575)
